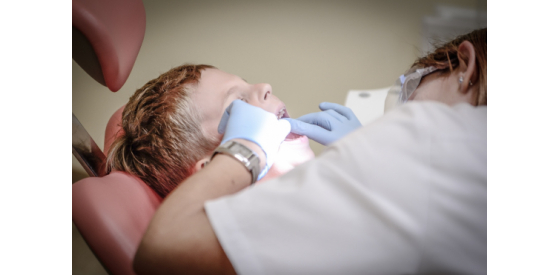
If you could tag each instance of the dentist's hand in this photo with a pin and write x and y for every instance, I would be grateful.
(326, 127)
(244, 121)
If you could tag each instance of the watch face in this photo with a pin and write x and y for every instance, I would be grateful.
(243, 150)
(243, 154)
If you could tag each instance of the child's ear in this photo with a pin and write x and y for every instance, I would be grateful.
(201, 163)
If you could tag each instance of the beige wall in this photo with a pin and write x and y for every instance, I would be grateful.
(309, 51)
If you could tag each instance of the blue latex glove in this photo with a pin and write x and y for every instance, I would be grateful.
(326, 127)
(245, 121)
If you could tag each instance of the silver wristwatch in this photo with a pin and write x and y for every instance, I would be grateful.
(243, 154)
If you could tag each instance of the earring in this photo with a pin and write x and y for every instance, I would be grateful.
(461, 81)
(205, 163)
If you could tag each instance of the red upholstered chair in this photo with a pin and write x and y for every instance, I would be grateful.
(106, 38)
(110, 211)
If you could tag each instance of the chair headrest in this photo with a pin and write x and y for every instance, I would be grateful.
(112, 213)
(106, 38)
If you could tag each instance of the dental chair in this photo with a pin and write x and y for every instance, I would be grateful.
(110, 211)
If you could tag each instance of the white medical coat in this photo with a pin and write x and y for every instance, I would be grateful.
(405, 194)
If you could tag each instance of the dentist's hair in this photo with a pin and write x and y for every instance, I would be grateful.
(162, 137)
(445, 57)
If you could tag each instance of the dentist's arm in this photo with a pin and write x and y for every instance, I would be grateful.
(180, 238)
(326, 127)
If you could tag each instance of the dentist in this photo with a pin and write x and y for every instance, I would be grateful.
(405, 194)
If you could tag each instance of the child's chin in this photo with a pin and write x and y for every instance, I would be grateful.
(292, 152)
(272, 173)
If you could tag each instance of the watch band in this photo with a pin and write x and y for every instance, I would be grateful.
(242, 153)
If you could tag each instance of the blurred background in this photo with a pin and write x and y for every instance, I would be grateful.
(309, 51)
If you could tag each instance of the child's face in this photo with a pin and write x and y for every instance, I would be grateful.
(217, 89)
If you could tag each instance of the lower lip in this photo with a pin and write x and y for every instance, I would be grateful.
(291, 136)
(294, 137)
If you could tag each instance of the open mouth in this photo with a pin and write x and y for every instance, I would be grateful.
(284, 114)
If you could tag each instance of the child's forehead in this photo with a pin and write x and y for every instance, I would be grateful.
(212, 73)
(218, 84)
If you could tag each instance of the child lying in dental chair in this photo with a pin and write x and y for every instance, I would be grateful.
(170, 126)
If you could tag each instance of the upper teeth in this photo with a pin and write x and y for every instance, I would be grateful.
(281, 113)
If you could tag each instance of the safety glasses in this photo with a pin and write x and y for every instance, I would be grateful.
(409, 82)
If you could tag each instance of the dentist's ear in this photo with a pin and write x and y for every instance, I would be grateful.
(201, 163)
(467, 66)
